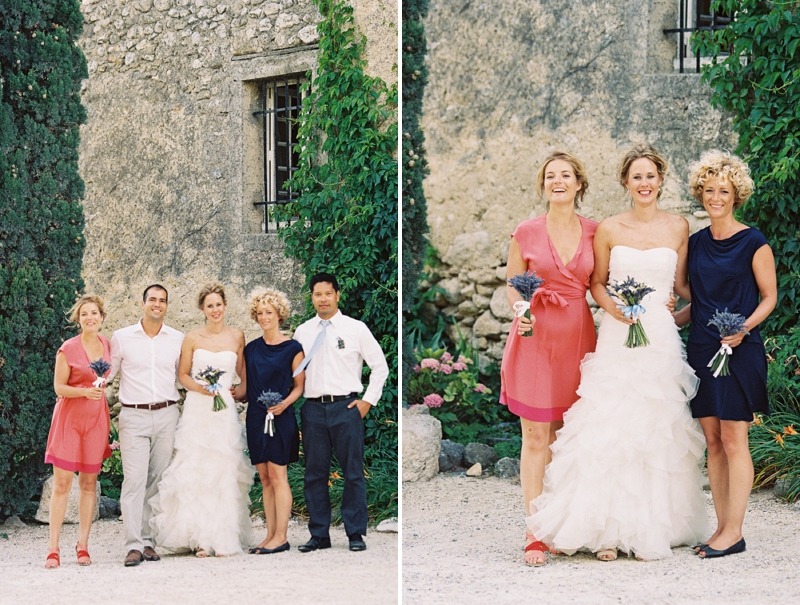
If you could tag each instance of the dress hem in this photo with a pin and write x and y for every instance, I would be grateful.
(74, 466)
(529, 413)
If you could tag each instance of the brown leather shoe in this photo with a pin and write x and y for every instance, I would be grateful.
(150, 554)
(133, 558)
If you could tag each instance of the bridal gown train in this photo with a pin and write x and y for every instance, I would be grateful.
(203, 497)
(625, 471)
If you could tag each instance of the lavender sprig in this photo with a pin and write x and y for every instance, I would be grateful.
(99, 367)
(629, 295)
(728, 324)
(269, 399)
(526, 285)
(211, 377)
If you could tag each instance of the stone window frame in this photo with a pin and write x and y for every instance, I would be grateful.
(248, 73)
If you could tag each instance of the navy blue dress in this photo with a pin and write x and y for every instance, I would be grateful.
(721, 276)
(269, 368)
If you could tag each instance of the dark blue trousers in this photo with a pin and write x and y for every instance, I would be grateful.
(332, 427)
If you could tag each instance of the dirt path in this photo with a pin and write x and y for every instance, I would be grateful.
(335, 576)
(463, 537)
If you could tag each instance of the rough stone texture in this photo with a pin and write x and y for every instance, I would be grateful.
(13, 522)
(388, 526)
(422, 434)
(451, 456)
(109, 507)
(480, 453)
(164, 152)
(507, 87)
(71, 516)
(507, 468)
(781, 488)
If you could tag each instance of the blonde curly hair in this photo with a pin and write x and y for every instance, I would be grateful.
(210, 289)
(725, 167)
(74, 313)
(262, 296)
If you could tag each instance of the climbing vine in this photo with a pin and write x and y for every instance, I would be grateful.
(755, 74)
(345, 219)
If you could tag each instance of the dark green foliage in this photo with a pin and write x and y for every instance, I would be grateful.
(41, 225)
(347, 207)
(756, 76)
(415, 216)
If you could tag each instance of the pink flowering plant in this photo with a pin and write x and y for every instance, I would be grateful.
(450, 386)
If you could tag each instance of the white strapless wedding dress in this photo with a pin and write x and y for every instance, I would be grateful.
(203, 498)
(625, 471)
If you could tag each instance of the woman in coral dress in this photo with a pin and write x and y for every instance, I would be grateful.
(78, 439)
(540, 374)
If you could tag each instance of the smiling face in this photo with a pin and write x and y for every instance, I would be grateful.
(560, 183)
(643, 182)
(214, 308)
(90, 318)
(267, 317)
(325, 299)
(155, 304)
(719, 197)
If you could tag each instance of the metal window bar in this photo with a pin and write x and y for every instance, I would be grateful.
(281, 102)
(705, 19)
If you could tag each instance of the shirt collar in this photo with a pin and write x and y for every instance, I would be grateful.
(334, 318)
(140, 328)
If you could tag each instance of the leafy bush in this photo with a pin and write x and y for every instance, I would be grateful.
(111, 473)
(41, 226)
(775, 448)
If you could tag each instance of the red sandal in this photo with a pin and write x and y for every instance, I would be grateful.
(83, 555)
(539, 546)
(53, 555)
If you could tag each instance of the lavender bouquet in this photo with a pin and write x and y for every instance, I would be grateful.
(629, 295)
(525, 284)
(211, 377)
(269, 399)
(100, 367)
(728, 324)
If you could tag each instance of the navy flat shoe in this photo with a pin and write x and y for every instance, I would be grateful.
(270, 551)
(698, 547)
(711, 553)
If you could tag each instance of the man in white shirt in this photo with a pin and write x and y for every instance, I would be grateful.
(336, 347)
(146, 354)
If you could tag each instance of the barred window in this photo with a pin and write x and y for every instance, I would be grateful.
(280, 102)
(694, 15)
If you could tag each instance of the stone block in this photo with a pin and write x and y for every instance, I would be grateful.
(452, 290)
(388, 526)
(71, 516)
(486, 325)
(499, 305)
(422, 435)
(470, 250)
(480, 453)
(468, 309)
(507, 468)
(481, 301)
(451, 456)
(475, 470)
(109, 508)
(14, 522)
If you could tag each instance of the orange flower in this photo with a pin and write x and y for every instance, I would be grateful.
(779, 440)
(335, 475)
(330, 484)
(757, 421)
(789, 430)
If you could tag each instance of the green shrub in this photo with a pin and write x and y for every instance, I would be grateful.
(41, 226)
(111, 473)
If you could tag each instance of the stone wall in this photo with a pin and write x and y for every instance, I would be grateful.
(507, 87)
(164, 154)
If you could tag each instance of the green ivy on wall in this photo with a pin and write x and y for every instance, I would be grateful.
(756, 76)
(345, 220)
(415, 167)
(41, 226)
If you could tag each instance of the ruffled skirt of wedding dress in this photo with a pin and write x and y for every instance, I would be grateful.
(203, 497)
(625, 471)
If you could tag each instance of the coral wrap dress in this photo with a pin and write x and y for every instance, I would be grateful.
(541, 374)
(78, 439)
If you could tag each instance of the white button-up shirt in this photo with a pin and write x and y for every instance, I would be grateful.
(149, 366)
(336, 366)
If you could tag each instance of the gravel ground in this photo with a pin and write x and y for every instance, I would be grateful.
(463, 538)
(335, 576)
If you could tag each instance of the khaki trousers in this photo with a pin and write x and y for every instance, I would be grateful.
(146, 440)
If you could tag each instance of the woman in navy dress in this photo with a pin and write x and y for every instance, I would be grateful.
(731, 266)
(272, 434)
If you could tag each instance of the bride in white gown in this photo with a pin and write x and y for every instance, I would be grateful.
(202, 503)
(625, 472)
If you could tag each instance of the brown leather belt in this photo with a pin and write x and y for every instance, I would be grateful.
(331, 398)
(150, 406)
